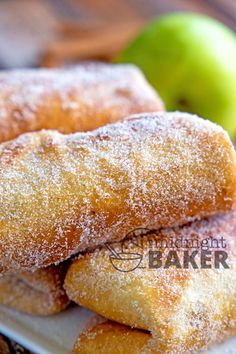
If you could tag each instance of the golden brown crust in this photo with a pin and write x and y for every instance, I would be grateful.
(80, 98)
(110, 338)
(61, 194)
(185, 309)
(38, 293)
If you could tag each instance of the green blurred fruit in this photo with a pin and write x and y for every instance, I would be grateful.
(191, 61)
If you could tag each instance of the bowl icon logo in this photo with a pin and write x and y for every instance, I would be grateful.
(124, 261)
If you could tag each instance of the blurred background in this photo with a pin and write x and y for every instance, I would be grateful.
(56, 32)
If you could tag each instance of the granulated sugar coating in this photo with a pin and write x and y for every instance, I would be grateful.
(61, 194)
(74, 99)
(186, 310)
(36, 293)
(111, 337)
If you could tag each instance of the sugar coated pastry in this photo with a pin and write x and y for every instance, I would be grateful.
(155, 283)
(37, 293)
(110, 338)
(73, 99)
(61, 194)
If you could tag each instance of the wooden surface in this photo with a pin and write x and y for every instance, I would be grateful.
(105, 11)
(55, 32)
(111, 24)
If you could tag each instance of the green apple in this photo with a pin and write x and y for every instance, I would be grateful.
(191, 61)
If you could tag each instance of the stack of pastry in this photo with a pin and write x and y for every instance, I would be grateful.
(99, 195)
(81, 98)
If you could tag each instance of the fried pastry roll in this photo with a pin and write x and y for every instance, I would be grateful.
(37, 293)
(74, 99)
(109, 338)
(186, 300)
(61, 194)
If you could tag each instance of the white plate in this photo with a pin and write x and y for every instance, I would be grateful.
(45, 335)
(57, 334)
